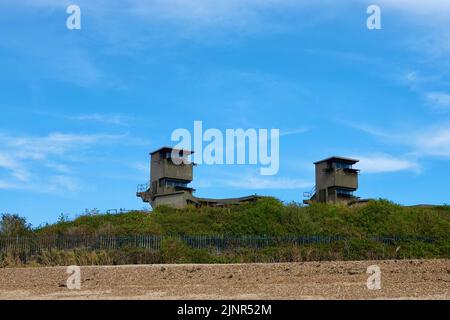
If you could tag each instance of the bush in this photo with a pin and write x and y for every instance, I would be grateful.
(12, 225)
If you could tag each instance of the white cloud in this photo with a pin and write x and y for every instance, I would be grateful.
(12, 165)
(411, 76)
(433, 142)
(238, 13)
(102, 118)
(218, 10)
(7, 185)
(45, 3)
(439, 8)
(42, 163)
(258, 183)
(373, 131)
(380, 163)
(244, 15)
(54, 144)
(75, 66)
(293, 131)
(439, 99)
(232, 12)
(142, 168)
(244, 12)
(416, 78)
(59, 182)
(80, 67)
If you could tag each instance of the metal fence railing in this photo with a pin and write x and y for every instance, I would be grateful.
(154, 242)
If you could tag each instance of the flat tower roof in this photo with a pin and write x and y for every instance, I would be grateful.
(172, 149)
(337, 158)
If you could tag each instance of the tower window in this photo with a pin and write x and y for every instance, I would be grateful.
(344, 192)
(342, 165)
(175, 183)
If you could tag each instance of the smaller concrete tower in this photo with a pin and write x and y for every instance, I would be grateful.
(336, 180)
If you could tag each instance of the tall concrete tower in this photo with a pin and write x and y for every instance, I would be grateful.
(170, 174)
(169, 178)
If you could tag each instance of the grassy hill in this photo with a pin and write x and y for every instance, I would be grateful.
(267, 216)
(355, 226)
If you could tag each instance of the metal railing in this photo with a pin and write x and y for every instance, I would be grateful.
(143, 187)
(309, 194)
(154, 242)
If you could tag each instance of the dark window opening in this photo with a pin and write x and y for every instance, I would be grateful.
(344, 192)
(343, 165)
(179, 156)
(175, 183)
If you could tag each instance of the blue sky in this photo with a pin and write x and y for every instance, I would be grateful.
(81, 109)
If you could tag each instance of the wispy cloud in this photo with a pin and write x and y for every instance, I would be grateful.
(41, 163)
(417, 80)
(41, 147)
(140, 167)
(441, 100)
(293, 131)
(6, 185)
(10, 164)
(431, 141)
(259, 183)
(382, 163)
(224, 13)
(437, 8)
(371, 130)
(426, 34)
(246, 16)
(112, 119)
(101, 118)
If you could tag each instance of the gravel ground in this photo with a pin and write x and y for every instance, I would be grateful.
(401, 279)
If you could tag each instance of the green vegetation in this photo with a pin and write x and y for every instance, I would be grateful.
(12, 225)
(266, 217)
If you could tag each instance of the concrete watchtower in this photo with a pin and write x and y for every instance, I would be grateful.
(168, 178)
(170, 174)
(336, 180)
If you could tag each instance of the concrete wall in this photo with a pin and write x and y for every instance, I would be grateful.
(182, 171)
(165, 168)
(175, 200)
(322, 179)
(346, 179)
